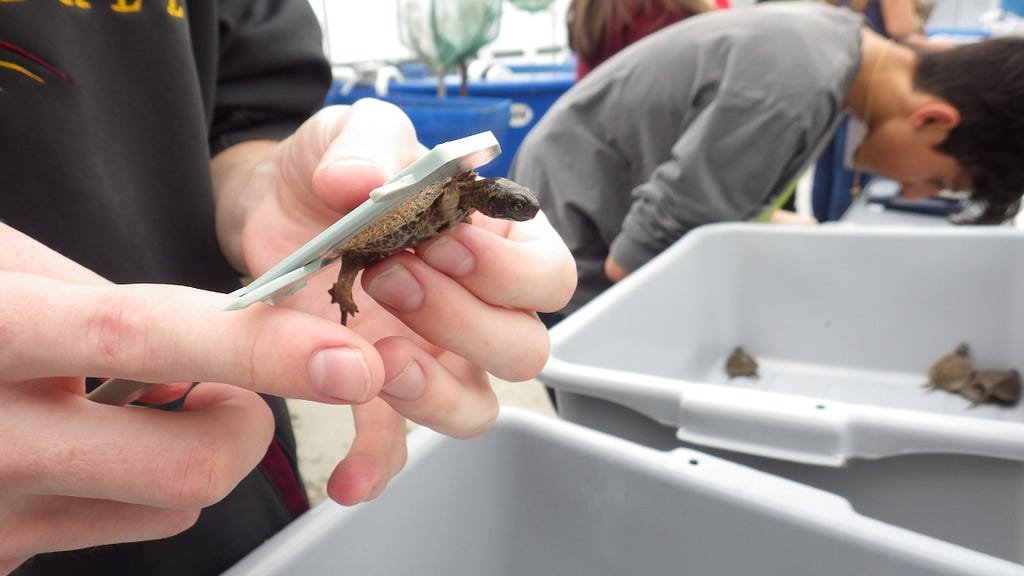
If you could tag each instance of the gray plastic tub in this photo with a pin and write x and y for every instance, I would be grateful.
(844, 322)
(537, 495)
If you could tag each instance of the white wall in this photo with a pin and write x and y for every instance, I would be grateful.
(367, 30)
(362, 30)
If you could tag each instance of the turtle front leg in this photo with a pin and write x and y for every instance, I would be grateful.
(341, 291)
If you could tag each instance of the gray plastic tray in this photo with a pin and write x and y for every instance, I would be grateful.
(537, 495)
(844, 321)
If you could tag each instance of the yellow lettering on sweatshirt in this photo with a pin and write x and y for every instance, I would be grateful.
(125, 6)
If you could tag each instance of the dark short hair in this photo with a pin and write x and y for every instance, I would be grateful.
(985, 82)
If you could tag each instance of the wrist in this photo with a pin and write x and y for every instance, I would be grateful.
(233, 171)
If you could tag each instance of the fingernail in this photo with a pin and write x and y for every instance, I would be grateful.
(340, 373)
(354, 163)
(397, 288)
(449, 256)
(350, 164)
(409, 384)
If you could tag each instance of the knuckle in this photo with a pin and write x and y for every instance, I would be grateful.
(563, 286)
(376, 105)
(472, 411)
(524, 357)
(272, 362)
(174, 522)
(204, 475)
(480, 421)
(399, 458)
(117, 331)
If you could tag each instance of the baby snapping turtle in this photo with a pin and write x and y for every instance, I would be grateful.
(740, 363)
(951, 372)
(996, 386)
(430, 212)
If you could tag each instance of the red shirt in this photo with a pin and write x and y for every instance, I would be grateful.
(642, 25)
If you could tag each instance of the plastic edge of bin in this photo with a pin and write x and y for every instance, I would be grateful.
(716, 476)
(776, 425)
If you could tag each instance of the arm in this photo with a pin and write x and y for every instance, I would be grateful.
(231, 170)
(724, 167)
(903, 25)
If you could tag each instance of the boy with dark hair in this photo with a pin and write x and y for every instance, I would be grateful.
(984, 82)
(713, 118)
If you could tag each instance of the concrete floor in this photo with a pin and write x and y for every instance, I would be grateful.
(324, 433)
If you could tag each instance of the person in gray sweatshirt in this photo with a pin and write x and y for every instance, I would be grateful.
(712, 119)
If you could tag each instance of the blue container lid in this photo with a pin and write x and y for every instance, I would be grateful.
(567, 67)
(514, 85)
(966, 33)
(439, 120)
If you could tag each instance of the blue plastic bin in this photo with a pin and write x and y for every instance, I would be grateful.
(342, 94)
(439, 120)
(1013, 6)
(531, 95)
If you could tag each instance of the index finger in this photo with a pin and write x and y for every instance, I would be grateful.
(179, 460)
(157, 333)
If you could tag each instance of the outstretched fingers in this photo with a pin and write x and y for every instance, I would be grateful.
(509, 343)
(442, 393)
(522, 265)
(474, 291)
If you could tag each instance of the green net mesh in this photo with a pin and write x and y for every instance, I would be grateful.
(444, 32)
(532, 5)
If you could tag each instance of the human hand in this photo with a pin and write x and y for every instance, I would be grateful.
(613, 270)
(76, 473)
(441, 316)
(790, 217)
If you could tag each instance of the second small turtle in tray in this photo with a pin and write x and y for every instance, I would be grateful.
(422, 217)
(995, 386)
(955, 372)
(740, 363)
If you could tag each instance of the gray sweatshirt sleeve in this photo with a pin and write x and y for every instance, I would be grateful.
(730, 161)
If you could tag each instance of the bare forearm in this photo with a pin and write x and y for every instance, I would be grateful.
(232, 171)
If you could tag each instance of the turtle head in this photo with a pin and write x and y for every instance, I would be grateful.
(503, 198)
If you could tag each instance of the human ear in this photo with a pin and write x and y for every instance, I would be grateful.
(940, 115)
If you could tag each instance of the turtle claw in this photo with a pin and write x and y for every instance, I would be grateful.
(347, 309)
(345, 303)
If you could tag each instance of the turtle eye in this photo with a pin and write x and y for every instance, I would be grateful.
(518, 206)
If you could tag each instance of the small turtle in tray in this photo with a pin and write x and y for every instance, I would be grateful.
(996, 386)
(430, 212)
(952, 372)
(740, 363)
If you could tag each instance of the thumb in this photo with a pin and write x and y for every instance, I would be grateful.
(374, 141)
